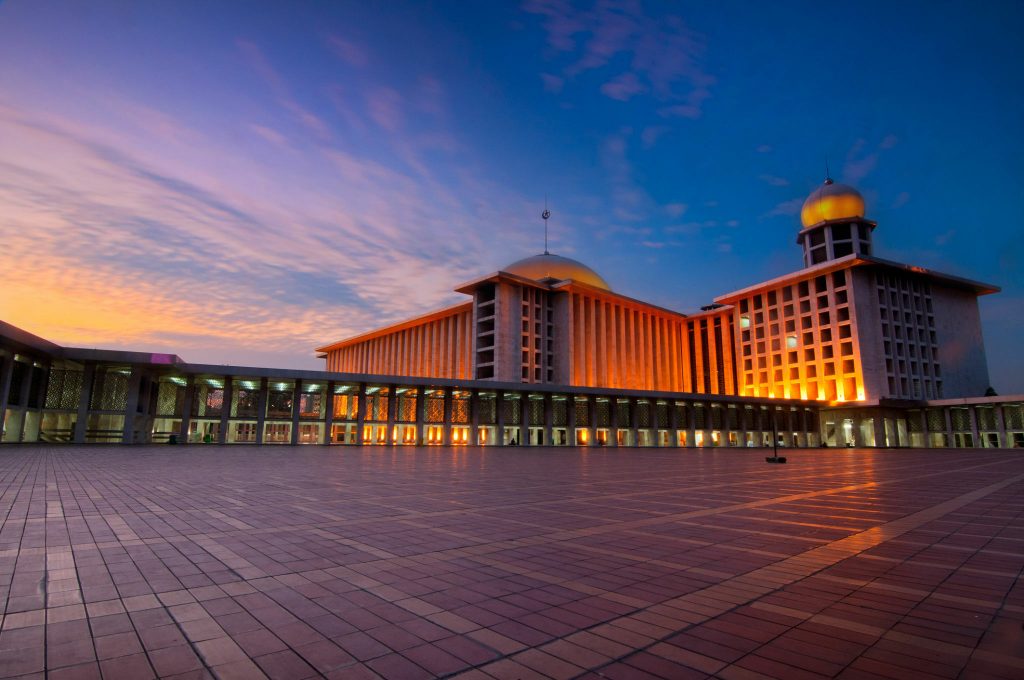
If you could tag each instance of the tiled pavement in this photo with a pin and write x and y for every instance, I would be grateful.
(192, 562)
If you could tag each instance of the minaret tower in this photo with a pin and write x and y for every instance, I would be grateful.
(833, 224)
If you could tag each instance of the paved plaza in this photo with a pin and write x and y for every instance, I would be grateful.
(294, 562)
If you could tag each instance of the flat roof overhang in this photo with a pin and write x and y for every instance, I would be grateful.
(854, 260)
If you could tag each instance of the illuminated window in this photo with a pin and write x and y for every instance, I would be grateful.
(791, 341)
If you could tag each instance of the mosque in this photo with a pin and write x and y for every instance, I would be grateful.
(850, 349)
(847, 327)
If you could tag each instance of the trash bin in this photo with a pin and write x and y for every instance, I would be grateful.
(172, 439)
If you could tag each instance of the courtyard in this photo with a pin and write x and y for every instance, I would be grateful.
(301, 562)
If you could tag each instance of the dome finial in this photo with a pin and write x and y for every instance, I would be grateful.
(545, 215)
(828, 174)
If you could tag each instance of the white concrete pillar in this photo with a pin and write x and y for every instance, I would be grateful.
(591, 420)
(499, 419)
(446, 428)
(327, 437)
(524, 419)
(296, 398)
(570, 419)
(1001, 425)
(474, 417)
(549, 417)
(131, 406)
(6, 374)
(975, 434)
(613, 419)
(360, 413)
(225, 410)
(392, 408)
(186, 409)
(261, 409)
(421, 413)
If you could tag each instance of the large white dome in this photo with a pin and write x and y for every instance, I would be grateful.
(548, 266)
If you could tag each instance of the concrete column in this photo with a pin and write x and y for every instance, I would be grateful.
(261, 409)
(296, 398)
(924, 427)
(474, 417)
(392, 409)
(655, 422)
(549, 420)
(186, 409)
(131, 408)
(634, 424)
(879, 427)
(225, 410)
(691, 423)
(524, 419)
(591, 421)
(446, 426)
(570, 420)
(499, 397)
(673, 424)
(613, 422)
(857, 439)
(82, 418)
(328, 414)
(26, 390)
(948, 417)
(147, 407)
(974, 426)
(6, 374)
(1001, 425)
(360, 413)
(741, 425)
(421, 413)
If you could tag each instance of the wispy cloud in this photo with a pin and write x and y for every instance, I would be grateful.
(254, 56)
(651, 134)
(630, 202)
(862, 158)
(786, 208)
(675, 210)
(348, 51)
(552, 83)
(774, 180)
(623, 87)
(662, 55)
(385, 107)
(224, 250)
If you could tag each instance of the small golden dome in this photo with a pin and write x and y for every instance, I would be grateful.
(831, 201)
(548, 266)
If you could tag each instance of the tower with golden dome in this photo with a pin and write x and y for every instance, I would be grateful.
(834, 225)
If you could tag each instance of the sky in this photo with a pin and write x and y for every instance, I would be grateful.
(241, 182)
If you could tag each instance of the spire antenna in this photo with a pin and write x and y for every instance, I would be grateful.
(545, 215)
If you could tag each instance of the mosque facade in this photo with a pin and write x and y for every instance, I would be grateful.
(846, 327)
(849, 350)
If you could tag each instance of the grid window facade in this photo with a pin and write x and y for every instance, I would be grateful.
(909, 342)
(537, 342)
(795, 341)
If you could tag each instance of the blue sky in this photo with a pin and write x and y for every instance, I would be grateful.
(239, 183)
